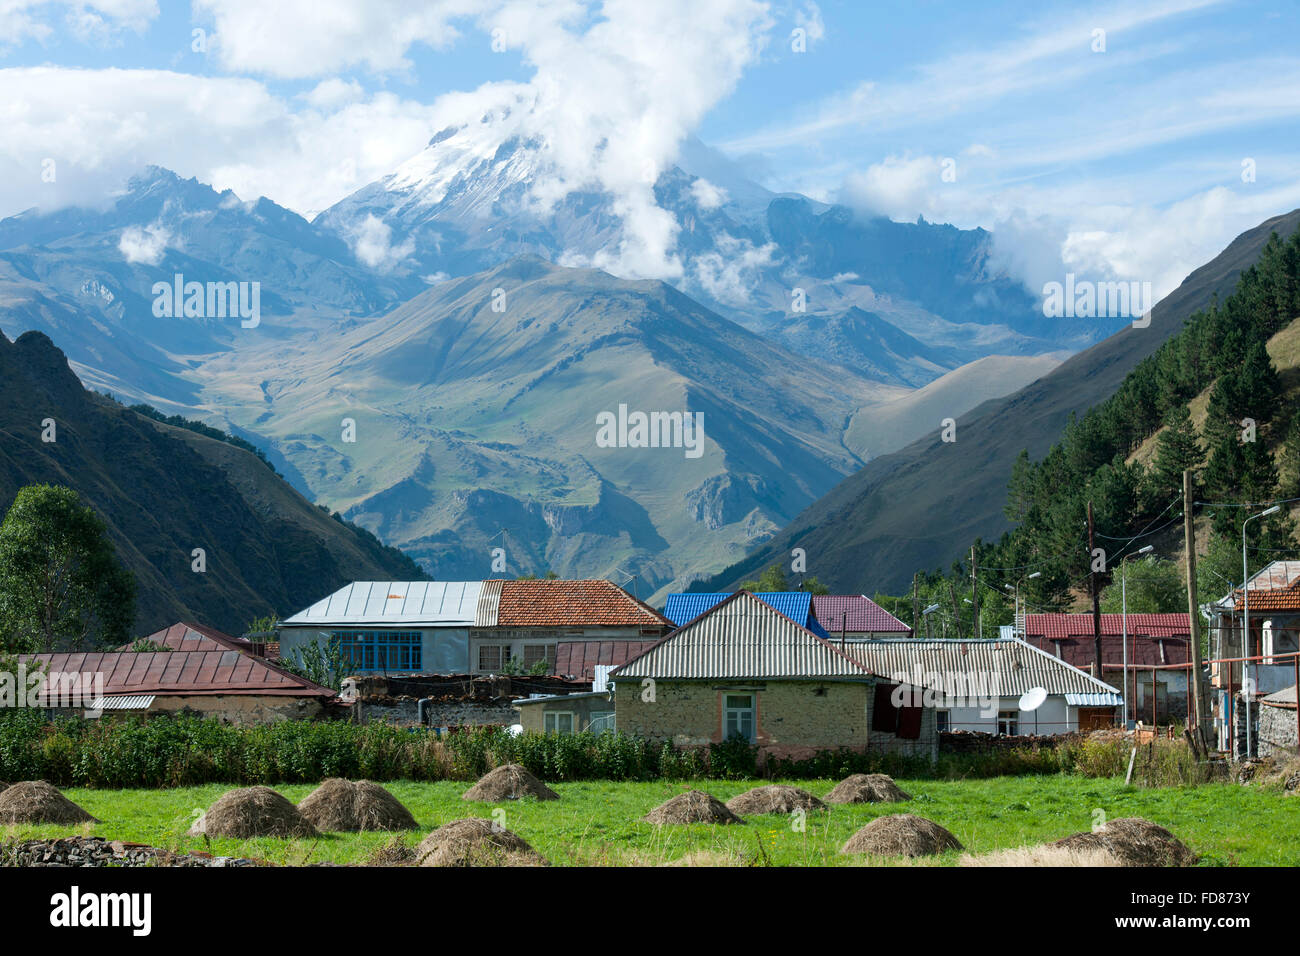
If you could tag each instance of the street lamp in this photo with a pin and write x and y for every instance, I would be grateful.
(1245, 620)
(1016, 610)
(1123, 596)
(925, 614)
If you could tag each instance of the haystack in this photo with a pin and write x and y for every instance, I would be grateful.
(509, 782)
(777, 798)
(475, 842)
(1134, 842)
(351, 806)
(252, 812)
(901, 834)
(693, 806)
(35, 801)
(867, 788)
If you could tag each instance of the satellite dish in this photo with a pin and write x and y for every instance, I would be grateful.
(1032, 699)
(514, 730)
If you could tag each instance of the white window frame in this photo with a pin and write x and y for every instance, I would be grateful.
(751, 710)
(503, 657)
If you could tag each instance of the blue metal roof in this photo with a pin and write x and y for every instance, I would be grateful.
(796, 605)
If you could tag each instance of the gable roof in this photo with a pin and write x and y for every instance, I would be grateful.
(855, 614)
(585, 603)
(1015, 665)
(1275, 588)
(742, 637)
(184, 636)
(796, 605)
(171, 673)
(408, 603)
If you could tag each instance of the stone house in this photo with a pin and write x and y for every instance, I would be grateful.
(744, 669)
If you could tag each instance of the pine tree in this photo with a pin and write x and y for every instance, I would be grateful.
(1177, 450)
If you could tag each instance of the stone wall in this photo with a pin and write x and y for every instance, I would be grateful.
(965, 742)
(1277, 731)
(452, 712)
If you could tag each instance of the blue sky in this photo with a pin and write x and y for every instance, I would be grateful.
(1127, 160)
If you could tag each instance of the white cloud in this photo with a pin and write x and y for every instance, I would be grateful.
(730, 274)
(372, 244)
(88, 20)
(707, 196)
(293, 39)
(809, 19)
(145, 245)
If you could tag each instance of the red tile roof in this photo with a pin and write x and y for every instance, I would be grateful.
(223, 671)
(558, 603)
(578, 659)
(1276, 588)
(1080, 625)
(184, 636)
(856, 614)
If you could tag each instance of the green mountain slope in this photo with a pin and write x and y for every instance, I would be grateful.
(165, 491)
(923, 506)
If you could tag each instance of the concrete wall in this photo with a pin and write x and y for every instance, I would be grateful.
(517, 637)
(1054, 717)
(794, 719)
(241, 709)
(582, 706)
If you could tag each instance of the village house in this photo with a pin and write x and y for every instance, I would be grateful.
(744, 669)
(568, 714)
(473, 627)
(202, 677)
(977, 685)
(1158, 656)
(855, 617)
(1274, 602)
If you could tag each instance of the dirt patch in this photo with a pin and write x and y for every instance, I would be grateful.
(1044, 856)
(693, 806)
(352, 806)
(475, 842)
(393, 853)
(35, 801)
(777, 798)
(253, 812)
(901, 834)
(1134, 842)
(868, 788)
(509, 782)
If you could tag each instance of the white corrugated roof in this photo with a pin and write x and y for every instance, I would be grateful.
(411, 603)
(1016, 665)
(123, 702)
(741, 638)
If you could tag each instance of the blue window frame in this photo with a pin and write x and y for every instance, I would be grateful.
(381, 650)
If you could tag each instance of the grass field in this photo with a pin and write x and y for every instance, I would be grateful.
(598, 823)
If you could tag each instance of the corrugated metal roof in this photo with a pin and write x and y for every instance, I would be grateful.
(123, 702)
(1015, 665)
(410, 603)
(741, 638)
(579, 659)
(796, 605)
(855, 614)
(1094, 700)
(176, 672)
(489, 604)
(1053, 626)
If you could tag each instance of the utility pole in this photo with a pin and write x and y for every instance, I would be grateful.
(916, 608)
(975, 590)
(956, 611)
(1200, 695)
(1096, 599)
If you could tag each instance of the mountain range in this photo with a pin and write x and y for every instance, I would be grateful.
(470, 342)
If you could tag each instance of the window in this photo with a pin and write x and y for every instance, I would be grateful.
(558, 722)
(1008, 723)
(943, 721)
(738, 716)
(492, 657)
(381, 650)
(601, 720)
(535, 653)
